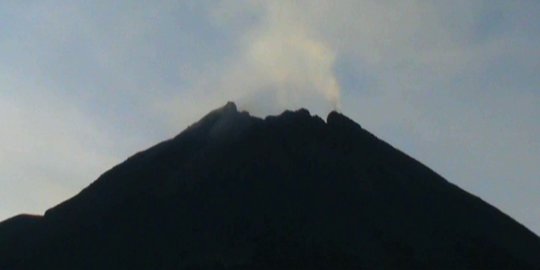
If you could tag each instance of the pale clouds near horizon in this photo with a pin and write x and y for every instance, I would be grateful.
(454, 84)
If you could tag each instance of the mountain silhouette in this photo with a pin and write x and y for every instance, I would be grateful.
(291, 191)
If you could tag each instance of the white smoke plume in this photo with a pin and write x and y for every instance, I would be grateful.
(281, 64)
(286, 58)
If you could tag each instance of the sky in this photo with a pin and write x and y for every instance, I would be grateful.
(86, 84)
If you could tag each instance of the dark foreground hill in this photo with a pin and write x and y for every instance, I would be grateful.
(285, 192)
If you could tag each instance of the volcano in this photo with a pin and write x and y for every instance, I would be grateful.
(291, 191)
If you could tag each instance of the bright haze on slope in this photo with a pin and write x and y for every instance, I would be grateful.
(83, 85)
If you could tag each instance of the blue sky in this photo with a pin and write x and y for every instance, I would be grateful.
(85, 84)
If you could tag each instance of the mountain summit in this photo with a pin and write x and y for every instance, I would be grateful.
(291, 191)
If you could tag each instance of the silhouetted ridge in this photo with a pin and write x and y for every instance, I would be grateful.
(289, 191)
(339, 120)
(12, 228)
(301, 114)
(220, 117)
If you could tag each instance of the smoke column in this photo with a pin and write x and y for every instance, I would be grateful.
(283, 65)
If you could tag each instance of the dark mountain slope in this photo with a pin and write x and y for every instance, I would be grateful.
(287, 192)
